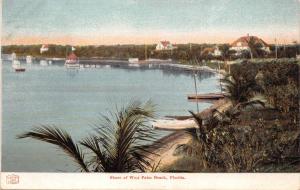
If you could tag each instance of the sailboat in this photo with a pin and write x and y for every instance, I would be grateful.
(16, 65)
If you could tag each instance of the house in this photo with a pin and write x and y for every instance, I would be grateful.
(217, 52)
(44, 48)
(72, 56)
(165, 45)
(213, 51)
(242, 44)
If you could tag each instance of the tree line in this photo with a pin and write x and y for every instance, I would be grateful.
(183, 52)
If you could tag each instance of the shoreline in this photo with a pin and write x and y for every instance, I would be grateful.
(164, 154)
(149, 63)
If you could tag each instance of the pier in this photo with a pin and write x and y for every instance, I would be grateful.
(208, 96)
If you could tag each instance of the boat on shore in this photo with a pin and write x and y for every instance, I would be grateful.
(72, 62)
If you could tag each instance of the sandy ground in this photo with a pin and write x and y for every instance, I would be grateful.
(165, 155)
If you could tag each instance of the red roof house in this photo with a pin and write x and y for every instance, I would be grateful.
(72, 56)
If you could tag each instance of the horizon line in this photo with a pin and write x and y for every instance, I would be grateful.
(141, 39)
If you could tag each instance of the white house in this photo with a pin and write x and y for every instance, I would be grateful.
(164, 45)
(44, 48)
(217, 52)
(242, 44)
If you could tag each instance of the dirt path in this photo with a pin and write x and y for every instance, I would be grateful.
(169, 143)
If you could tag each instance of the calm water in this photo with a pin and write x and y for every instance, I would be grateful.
(74, 99)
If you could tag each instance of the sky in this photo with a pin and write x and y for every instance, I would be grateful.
(96, 22)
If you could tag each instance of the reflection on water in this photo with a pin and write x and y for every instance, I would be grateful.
(73, 99)
(72, 72)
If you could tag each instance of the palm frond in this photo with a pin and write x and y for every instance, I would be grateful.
(124, 135)
(60, 138)
(92, 143)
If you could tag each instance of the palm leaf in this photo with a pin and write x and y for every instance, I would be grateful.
(60, 138)
(92, 143)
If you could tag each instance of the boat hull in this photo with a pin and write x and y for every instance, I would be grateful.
(20, 70)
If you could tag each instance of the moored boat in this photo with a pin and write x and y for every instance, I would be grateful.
(16, 65)
(28, 59)
(20, 69)
(43, 63)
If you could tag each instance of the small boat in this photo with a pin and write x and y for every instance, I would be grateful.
(133, 60)
(72, 61)
(16, 65)
(173, 124)
(43, 63)
(134, 65)
(208, 96)
(20, 70)
(28, 59)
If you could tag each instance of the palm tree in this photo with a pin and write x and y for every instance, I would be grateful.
(240, 91)
(121, 143)
(253, 46)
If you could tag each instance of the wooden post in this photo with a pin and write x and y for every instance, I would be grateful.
(196, 90)
(220, 77)
(145, 52)
(276, 47)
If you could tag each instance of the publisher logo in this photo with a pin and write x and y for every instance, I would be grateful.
(12, 179)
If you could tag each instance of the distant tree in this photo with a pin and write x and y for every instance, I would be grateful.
(225, 51)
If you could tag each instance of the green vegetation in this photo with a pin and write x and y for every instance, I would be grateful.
(121, 142)
(183, 53)
(249, 138)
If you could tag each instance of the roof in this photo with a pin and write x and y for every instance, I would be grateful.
(245, 41)
(72, 56)
(208, 50)
(45, 46)
(165, 43)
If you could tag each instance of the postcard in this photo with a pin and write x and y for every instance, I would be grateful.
(150, 94)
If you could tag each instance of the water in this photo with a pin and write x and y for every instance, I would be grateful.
(74, 99)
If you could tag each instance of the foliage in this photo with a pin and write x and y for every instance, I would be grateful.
(240, 148)
(183, 52)
(250, 140)
(121, 143)
(277, 81)
(281, 86)
(240, 90)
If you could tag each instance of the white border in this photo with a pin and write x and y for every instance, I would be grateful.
(212, 181)
(233, 181)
